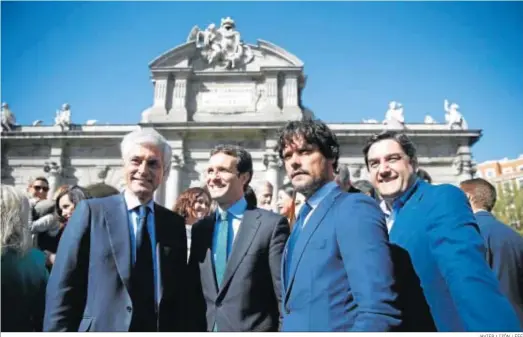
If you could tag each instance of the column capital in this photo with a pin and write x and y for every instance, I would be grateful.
(177, 161)
(52, 168)
(272, 161)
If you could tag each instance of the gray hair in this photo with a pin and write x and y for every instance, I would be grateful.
(14, 217)
(343, 174)
(148, 137)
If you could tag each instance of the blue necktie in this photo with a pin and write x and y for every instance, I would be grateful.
(222, 248)
(296, 231)
(222, 243)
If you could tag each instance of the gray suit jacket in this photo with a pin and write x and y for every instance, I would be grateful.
(250, 296)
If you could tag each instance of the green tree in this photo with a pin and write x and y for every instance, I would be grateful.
(509, 206)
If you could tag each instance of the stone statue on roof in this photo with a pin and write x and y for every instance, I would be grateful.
(453, 117)
(394, 115)
(8, 118)
(63, 116)
(221, 46)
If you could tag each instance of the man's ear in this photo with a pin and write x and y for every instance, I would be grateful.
(244, 178)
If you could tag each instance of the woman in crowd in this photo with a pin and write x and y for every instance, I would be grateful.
(289, 202)
(65, 204)
(24, 276)
(193, 204)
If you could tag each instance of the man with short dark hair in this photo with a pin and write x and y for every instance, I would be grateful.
(337, 270)
(38, 188)
(236, 253)
(434, 231)
(504, 245)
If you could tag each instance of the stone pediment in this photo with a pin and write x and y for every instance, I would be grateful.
(215, 76)
(265, 55)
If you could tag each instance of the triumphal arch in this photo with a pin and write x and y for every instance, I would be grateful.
(215, 88)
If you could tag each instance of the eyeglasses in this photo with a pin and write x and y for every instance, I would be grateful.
(39, 188)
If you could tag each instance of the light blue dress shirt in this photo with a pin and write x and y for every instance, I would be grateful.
(234, 217)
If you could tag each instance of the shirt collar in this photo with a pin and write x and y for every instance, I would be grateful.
(132, 201)
(400, 201)
(320, 194)
(237, 209)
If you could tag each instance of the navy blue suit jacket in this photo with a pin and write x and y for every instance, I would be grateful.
(88, 289)
(437, 233)
(341, 276)
(505, 257)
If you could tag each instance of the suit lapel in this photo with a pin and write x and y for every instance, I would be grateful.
(307, 231)
(117, 225)
(398, 230)
(208, 272)
(248, 228)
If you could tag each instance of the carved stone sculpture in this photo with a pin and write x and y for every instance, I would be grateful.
(222, 46)
(63, 116)
(8, 118)
(394, 115)
(370, 121)
(453, 117)
(429, 120)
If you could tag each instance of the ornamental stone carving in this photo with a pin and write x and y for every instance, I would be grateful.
(63, 116)
(453, 117)
(221, 47)
(8, 118)
(394, 115)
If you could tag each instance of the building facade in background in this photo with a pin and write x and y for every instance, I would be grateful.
(212, 89)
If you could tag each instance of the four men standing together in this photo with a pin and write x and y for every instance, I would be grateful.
(121, 264)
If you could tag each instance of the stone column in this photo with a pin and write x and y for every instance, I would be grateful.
(271, 89)
(160, 91)
(178, 111)
(463, 163)
(172, 185)
(272, 175)
(291, 108)
(53, 171)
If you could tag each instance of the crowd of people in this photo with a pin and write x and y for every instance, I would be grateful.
(394, 253)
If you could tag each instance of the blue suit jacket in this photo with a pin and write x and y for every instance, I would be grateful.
(88, 289)
(505, 257)
(341, 272)
(437, 233)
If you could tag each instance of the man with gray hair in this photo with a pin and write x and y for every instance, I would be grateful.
(121, 262)
(343, 179)
(265, 192)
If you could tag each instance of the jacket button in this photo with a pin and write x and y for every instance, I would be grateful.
(129, 309)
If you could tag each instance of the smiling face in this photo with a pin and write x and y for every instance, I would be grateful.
(223, 180)
(306, 166)
(143, 171)
(201, 206)
(391, 170)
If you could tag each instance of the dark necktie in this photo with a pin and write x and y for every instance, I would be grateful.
(296, 231)
(221, 247)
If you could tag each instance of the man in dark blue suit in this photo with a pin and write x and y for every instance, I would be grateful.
(337, 270)
(121, 261)
(504, 245)
(445, 280)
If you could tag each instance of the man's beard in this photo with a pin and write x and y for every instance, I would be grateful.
(310, 189)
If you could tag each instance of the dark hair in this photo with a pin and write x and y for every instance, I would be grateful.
(244, 164)
(424, 175)
(482, 192)
(402, 139)
(187, 199)
(75, 194)
(101, 190)
(250, 197)
(314, 132)
(288, 189)
(41, 178)
(365, 187)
